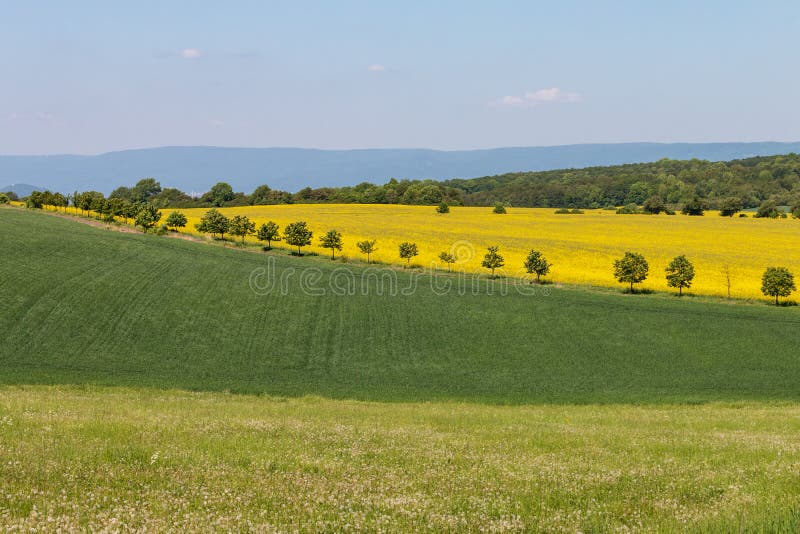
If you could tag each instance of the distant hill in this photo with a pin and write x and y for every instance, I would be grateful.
(21, 190)
(195, 169)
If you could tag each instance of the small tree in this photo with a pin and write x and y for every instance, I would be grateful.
(654, 205)
(695, 207)
(214, 222)
(493, 260)
(680, 273)
(297, 234)
(536, 264)
(768, 209)
(175, 220)
(628, 209)
(499, 208)
(443, 208)
(60, 201)
(367, 247)
(269, 232)
(408, 251)
(796, 210)
(631, 269)
(242, 226)
(777, 282)
(35, 200)
(220, 193)
(4, 198)
(730, 207)
(726, 272)
(129, 211)
(147, 217)
(332, 240)
(447, 258)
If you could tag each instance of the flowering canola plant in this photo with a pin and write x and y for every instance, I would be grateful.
(582, 248)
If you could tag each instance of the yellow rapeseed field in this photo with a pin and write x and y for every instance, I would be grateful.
(581, 247)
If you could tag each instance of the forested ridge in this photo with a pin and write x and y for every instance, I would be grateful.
(749, 182)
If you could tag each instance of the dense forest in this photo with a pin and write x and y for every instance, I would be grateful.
(750, 182)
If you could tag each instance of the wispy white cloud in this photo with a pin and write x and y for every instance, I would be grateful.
(191, 53)
(376, 68)
(534, 98)
(37, 116)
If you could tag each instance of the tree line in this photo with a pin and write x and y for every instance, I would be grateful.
(631, 269)
(673, 184)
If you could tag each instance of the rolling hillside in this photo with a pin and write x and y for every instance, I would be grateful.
(86, 305)
(197, 168)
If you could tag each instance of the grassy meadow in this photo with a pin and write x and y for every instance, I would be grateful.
(96, 459)
(145, 385)
(581, 247)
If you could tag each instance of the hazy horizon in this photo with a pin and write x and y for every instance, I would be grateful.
(397, 148)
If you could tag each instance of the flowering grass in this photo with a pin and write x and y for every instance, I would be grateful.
(581, 247)
(100, 459)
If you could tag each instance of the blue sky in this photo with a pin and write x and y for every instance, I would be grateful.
(93, 76)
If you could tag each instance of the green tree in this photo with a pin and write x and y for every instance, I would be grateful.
(777, 282)
(407, 251)
(297, 234)
(147, 217)
(367, 247)
(654, 205)
(695, 207)
(219, 194)
(730, 207)
(537, 264)
(176, 220)
(130, 210)
(631, 269)
(60, 201)
(332, 240)
(122, 193)
(768, 209)
(241, 226)
(213, 222)
(499, 208)
(269, 232)
(144, 190)
(4, 198)
(493, 260)
(796, 210)
(680, 273)
(261, 195)
(447, 258)
(628, 209)
(443, 208)
(115, 206)
(35, 200)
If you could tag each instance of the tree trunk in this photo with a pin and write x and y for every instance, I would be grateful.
(680, 291)
(631, 287)
(333, 254)
(776, 300)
